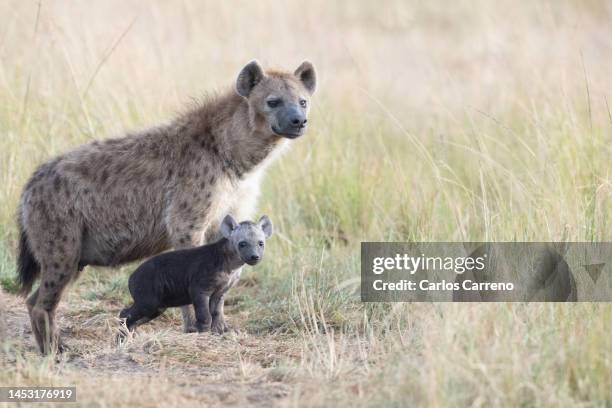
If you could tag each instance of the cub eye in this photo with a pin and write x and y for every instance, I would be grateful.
(273, 103)
(303, 103)
(242, 244)
(261, 243)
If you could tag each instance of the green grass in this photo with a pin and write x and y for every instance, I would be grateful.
(8, 280)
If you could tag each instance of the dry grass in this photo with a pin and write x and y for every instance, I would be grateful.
(434, 121)
(159, 363)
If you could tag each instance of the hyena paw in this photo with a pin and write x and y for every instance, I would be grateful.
(190, 329)
(219, 327)
(201, 328)
(62, 347)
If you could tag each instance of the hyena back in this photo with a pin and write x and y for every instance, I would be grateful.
(118, 200)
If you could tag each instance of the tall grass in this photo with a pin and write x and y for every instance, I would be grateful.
(433, 122)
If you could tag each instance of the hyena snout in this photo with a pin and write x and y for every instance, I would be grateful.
(291, 122)
(253, 259)
(251, 254)
(297, 118)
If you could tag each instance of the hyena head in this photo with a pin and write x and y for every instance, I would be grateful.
(278, 101)
(247, 239)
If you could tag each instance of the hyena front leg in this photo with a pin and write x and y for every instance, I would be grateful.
(185, 226)
(219, 324)
(189, 320)
(243, 209)
(201, 301)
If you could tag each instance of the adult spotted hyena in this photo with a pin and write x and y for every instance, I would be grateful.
(118, 200)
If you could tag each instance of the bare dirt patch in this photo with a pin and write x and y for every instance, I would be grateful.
(236, 368)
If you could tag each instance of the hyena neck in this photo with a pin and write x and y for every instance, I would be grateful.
(244, 148)
(224, 127)
(229, 257)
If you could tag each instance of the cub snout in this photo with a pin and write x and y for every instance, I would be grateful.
(253, 260)
(252, 253)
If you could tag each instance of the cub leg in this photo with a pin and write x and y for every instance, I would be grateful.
(137, 315)
(219, 324)
(202, 311)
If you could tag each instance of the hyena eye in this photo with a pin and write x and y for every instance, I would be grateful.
(273, 103)
(242, 244)
(261, 243)
(303, 103)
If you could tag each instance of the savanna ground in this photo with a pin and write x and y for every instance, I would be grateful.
(434, 121)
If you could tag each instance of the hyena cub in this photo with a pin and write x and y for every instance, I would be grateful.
(199, 276)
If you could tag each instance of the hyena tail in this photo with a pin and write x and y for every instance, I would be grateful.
(28, 267)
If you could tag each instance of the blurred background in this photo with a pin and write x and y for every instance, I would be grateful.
(413, 56)
(417, 93)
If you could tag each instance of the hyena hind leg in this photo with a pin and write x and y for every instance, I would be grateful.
(136, 315)
(43, 303)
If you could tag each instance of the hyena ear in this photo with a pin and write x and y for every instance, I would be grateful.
(266, 226)
(250, 76)
(307, 74)
(228, 225)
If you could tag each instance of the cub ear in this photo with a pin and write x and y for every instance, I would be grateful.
(307, 74)
(266, 225)
(250, 76)
(228, 225)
